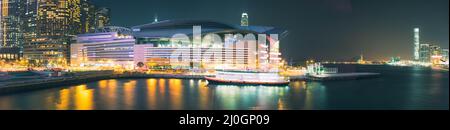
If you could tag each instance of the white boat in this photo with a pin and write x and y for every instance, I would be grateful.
(237, 77)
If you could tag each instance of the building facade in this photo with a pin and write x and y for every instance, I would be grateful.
(52, 25)
(10, 53)
(11, 29)
(416, 54)
(113, 46)
(50, 32)
(425, 53)
(205, 45)
(244, 19)
(434, 54)
(87, 16)
(445, 54)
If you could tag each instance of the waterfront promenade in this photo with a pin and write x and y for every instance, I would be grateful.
(35, 82)
(11, 84)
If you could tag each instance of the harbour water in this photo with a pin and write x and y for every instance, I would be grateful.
(397, 88)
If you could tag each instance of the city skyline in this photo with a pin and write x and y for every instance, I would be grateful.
(345, 24)
(224, 55)
(40, 32)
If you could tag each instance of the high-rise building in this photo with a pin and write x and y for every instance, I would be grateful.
(42, 30)
(244, 19)
(425, 53)
(11, 23)
(51, 27)
(152, 45)
(87, 16)
(416, 43)
(11, 29)
(102, 18)
(436, 54)
(435, 50)
(445, 54)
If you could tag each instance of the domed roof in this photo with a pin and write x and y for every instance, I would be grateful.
(169, 28)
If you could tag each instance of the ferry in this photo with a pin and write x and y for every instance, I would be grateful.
(239, 77)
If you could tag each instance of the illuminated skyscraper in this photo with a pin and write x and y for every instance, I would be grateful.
(11, 30)
(244, 19)
(43, 29)
(11, 23)
(102, 18)
(445, 54)
(436, 54)
(416, 44)
(88, 11)
(51, 26)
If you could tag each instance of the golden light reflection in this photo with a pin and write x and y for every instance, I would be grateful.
(281, 105)
(162, 86)
(129, 93)
(202, 83)
(108, 90)
(5, 103)
(112, 83)
(83, 98)
(191, 83)
(63, 101)
(162, 97)
(151, 93)
(298, 86)
(103, 84)
(176, 93)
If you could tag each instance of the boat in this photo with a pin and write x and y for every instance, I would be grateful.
(238, 77)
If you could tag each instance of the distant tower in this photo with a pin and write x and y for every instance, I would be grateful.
(244, 19)
(361, 59)
(416, 43)
(156, 18)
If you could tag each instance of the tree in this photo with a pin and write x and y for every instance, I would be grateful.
(140, 64)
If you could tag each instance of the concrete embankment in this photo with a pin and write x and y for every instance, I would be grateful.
(84, 77)
(80, 78)
(43, 83)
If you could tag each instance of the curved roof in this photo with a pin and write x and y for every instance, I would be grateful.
(169, 28)
(177, 24)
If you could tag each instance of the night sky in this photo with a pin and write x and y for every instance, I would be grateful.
(318, 29)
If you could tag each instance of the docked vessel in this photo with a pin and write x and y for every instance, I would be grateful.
(236, 77)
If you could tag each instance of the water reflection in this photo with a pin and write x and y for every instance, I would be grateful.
(418, 89)
(108, 91)
(63, 101)
(176, 92)
(129, 94)
(249, 97)
(157, 94)
(151, 93)
(83, 98)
